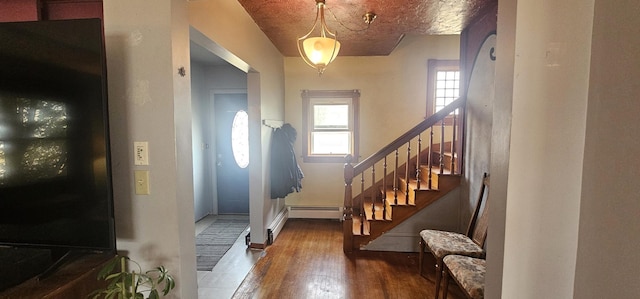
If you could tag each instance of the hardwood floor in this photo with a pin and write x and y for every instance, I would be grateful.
(306, 261)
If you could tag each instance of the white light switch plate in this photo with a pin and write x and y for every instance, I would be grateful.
(141, 178)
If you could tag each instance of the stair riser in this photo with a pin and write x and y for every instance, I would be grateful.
(424, 178)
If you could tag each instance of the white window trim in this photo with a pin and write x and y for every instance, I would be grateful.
(312, 97)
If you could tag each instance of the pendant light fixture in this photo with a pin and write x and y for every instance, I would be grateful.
(322, 49)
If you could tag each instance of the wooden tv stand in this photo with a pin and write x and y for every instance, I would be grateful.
(75, 278)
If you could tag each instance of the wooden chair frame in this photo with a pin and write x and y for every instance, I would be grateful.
(476, 231)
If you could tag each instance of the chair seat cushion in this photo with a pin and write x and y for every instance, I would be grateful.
(469, 272)
(442, 243)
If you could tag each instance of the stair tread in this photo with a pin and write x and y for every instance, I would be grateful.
(446, 153)
(436, 169)
(401, 196)
(413, 185)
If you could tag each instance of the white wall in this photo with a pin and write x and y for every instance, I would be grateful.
(203, 183)
(547, 142)
(393, 100)
(149, 101)
(550, 87)
(608, 258)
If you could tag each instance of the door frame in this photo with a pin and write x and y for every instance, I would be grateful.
(261, 211)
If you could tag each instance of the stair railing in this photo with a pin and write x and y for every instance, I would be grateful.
(446, 117)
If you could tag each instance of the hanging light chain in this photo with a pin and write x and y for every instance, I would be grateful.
(367, 17)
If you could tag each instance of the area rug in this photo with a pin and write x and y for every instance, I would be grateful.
(215, 241)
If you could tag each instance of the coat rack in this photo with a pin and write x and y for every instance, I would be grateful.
(272, 123)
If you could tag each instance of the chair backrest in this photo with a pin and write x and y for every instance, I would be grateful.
(477, 230)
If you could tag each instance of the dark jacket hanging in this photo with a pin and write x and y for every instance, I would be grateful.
(286, 175)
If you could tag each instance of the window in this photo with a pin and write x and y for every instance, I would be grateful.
(330, 120)
(240, 138)
(443, 86)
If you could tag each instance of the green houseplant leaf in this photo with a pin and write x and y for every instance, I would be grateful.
(124, 283)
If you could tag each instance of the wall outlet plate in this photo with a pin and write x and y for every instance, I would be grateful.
(141, 153)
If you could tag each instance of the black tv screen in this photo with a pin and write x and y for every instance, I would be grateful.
(55, 178)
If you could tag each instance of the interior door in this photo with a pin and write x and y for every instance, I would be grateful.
(232, 152)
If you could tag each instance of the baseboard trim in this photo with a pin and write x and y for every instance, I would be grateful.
(314, 212)
(276, 226)
(257, 246)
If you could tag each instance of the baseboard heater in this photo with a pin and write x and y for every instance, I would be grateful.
(315, 212)
(276, 226)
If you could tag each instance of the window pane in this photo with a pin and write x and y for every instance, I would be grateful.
(450, 84)
(451, 75)
(447, 88)
(330, 143)
(449, 93)
(331, 116)
(240, 138)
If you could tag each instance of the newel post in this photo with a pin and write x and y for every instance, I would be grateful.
(347, 216)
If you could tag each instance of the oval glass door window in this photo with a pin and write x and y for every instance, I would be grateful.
(240, 138)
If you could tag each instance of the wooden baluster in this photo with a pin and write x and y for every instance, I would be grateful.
(363, 215)
(384, 188)
(406, 175)
(442, 146)
(453, 143)
(418, 162)
(430, 157)
(395, 180)
(373, 192)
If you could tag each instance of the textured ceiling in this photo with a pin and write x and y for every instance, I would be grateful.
(283, 21)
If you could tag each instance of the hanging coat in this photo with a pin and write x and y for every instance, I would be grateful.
(286, 175)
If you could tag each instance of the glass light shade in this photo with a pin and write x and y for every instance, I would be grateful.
(321, 50)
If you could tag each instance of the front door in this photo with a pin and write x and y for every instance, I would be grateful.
(232, 150)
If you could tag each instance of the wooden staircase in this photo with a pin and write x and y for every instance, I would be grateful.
(408, 183)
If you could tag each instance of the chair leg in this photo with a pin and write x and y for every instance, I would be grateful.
(421, 256)
(438, 276)
(445, 287)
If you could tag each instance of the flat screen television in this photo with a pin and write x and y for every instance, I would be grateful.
(55, 176)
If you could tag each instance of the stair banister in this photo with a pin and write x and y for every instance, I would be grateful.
(350, 170)
(406, 137)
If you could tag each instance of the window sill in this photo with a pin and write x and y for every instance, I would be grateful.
(325, 159)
